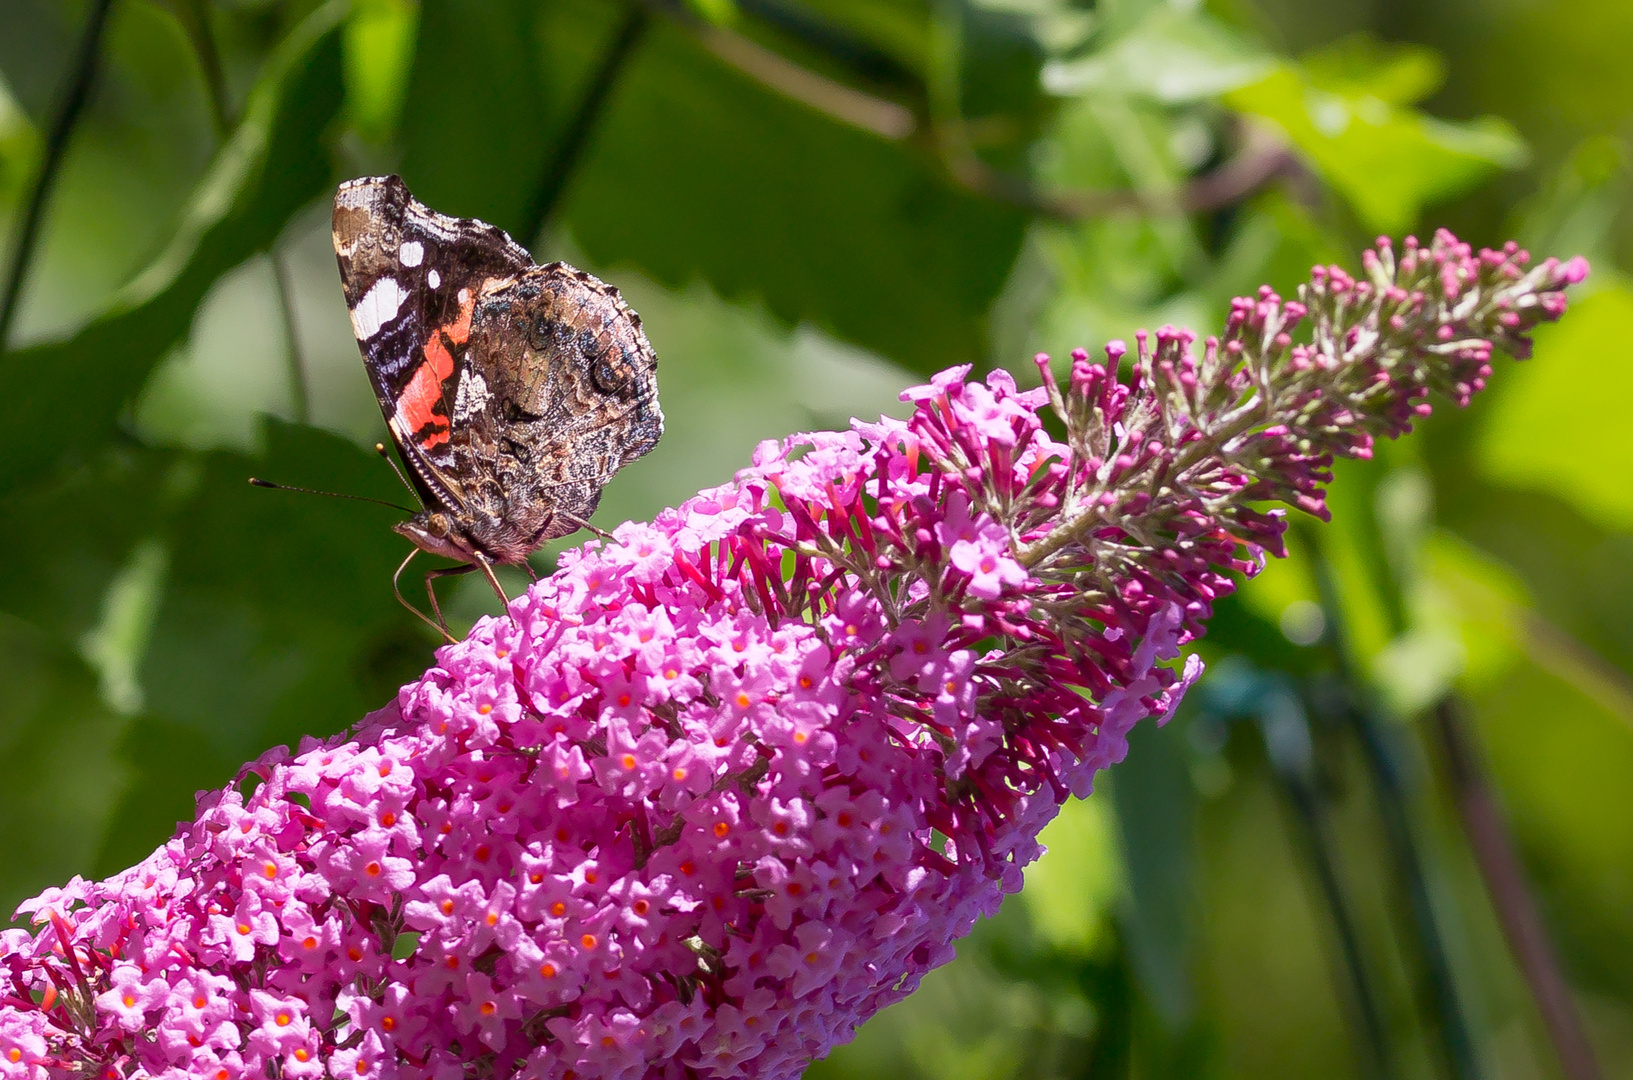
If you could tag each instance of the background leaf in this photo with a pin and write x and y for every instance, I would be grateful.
(818, 221)
(1588, 465)
(1387, 161)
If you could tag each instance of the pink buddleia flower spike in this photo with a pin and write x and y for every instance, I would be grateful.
(733, 781)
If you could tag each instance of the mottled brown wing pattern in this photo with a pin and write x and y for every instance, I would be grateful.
(559, 391)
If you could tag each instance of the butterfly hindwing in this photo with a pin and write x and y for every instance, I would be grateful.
(560, 391)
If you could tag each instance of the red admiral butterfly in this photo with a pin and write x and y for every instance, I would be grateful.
(512, 391)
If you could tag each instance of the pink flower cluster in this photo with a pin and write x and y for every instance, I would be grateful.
(727, 784)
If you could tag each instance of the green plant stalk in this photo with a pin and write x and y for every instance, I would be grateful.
(1315, 840)
(1511, 899)
(300, 394)
(1439, 983)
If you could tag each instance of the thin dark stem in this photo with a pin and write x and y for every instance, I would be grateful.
(1442, 985)
(1315, 833)
(1511, 898)
(194, 16)
(77, 92)
(1440, 990)
(299, 392)
(1262, 159)
(570, 149)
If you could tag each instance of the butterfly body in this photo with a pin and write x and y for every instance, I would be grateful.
(512, 391)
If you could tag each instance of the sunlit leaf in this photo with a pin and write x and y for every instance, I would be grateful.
(1173, 56)
(1527, 440)
(379, 50)
(1070, 890)
(1388, 162)
(1398, 73)
(19, 146)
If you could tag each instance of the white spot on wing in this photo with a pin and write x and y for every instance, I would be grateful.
(411, 253)
(378, 307)
(472, 396)
(464, 295)
(434, 278)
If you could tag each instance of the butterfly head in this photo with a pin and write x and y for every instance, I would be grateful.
(438, 533)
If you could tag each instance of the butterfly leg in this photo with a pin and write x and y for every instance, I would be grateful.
(439, 624)
(486, 566)
(581, 523)
(442, 572)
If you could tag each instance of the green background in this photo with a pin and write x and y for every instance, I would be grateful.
(814, 203)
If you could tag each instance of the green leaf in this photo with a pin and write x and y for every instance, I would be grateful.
(62, 779)
(65, 542)
(1156, 808)
(161, 767)
(1388, 162)
(67, 395)
(1069, 892)
(1171, 56)
(476, 132)
(276, 600)
(1536, 435)
(1477, 597)
(1362, 66)
(379, 52)
(277, 621)
(699, 171)
(1562, 764)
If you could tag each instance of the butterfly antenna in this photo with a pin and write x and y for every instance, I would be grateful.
(258, 482)
(380, 448)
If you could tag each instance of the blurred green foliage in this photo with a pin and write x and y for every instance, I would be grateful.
(814, 203)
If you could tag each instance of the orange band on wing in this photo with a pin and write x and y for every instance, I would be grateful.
(460, 328)
(417, 405)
